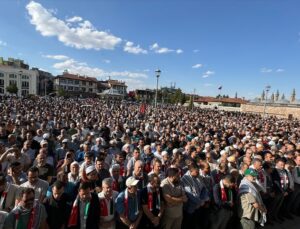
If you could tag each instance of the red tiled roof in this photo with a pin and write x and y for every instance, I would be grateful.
(222, 100)
(78, 77)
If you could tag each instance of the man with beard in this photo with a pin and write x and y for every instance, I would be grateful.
(28, 213)
(198, 199)
(56, 207)
(251, 207)
(86, 209)
(224, 198)
(107, 205)
(174, 196)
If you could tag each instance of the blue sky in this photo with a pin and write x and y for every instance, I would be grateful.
(242, 45)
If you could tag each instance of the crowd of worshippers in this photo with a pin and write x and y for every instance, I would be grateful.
(88, 163)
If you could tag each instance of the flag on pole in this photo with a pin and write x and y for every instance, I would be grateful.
(220, 87)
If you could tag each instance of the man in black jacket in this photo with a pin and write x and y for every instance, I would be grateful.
(56, 207)
(85, 213)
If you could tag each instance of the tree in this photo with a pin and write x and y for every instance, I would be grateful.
(236, 95)
(61, 92)
(283, 97)
(13, 89)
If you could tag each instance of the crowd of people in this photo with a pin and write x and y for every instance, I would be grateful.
(89, 163)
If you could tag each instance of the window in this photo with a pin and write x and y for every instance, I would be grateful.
(11, 82)
(83, 89)
(91, 89)
(24, 77)
(1, 90)
(70, 81)
(12, 76)
(25, 84)
(76, 88)
(24, 92)
(76, 82)
(1, 82)
(62, 81)
(91, 83)
(1, 74)
(83, 83)
(70, 88)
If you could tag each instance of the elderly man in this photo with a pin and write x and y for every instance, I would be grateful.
(140, 175)
(128, 206)
(22, 216)
(251, 207)
(107, 205)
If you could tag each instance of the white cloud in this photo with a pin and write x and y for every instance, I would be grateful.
(197, 66)
(195, 50)
(178, 51)
(83, 68)
(280, 70)
(74, 19)
(266, 70)
(2, 43)
(79, 35)
(106, 61)
(208, 74)
(130, 48)
(56, 57)
(146, 70)
(162, 50)
(208, 85)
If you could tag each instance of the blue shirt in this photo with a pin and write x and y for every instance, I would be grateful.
(132, 201)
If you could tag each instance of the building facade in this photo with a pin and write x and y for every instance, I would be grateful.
(117, 85)
(76, 84)
(14, 71)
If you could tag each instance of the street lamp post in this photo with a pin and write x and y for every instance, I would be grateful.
(267, 89)
(157, 73)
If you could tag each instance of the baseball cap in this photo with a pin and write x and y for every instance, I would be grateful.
(131, 181)
(250, 172)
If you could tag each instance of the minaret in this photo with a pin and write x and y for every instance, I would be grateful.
(277, 95)
(293, 96)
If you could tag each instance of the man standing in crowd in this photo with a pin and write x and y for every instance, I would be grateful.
(86, 209)
(128, 206)
(224, 199)
(174, 196)
(251, 208)
(56, 207)
(107, 205)
(28, 214)
(152, 203)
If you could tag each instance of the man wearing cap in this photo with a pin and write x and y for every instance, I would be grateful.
(91, 177)
(8, 194)
(251, 207)
(128, 205)
(61, 152)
